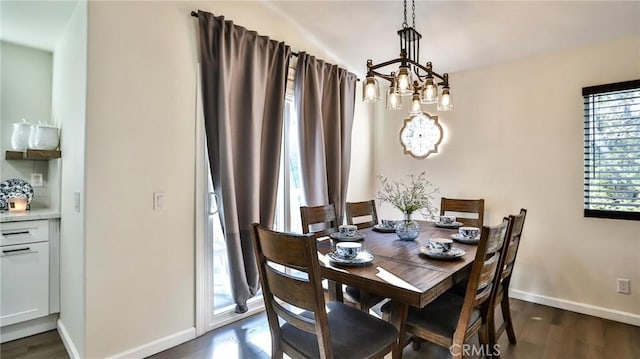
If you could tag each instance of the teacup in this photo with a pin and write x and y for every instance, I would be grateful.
(469, 232)
(447, 219)
(440, 245)
(348, 250)
(348, 230)
(388, 223)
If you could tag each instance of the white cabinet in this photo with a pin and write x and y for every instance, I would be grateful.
(27, 253)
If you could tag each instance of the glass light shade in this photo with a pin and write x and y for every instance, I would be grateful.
(445, 103)
(429, 91)
(404, 81)
(394, 101)
(370, 90)
(416, 105)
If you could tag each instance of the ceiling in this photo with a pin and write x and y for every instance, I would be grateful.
(460, 35)
(36, 24)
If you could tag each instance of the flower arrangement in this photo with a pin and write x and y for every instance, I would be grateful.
(416, 195)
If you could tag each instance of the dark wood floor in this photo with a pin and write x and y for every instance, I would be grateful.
(542, 332)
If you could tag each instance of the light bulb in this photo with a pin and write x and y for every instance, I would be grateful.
(416, 106)
(429, 91)
(404, 81)
(445, 100)
(370, 90)
(394, 102)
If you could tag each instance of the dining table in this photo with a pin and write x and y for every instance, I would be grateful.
(399, 270)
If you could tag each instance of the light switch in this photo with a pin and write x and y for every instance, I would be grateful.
(36, 180)
(159, 201)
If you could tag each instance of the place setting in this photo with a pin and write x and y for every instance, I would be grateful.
(386, 226)
(467, 235)
(442, 248)
(350, 254)
(347, 233)
(448, 222)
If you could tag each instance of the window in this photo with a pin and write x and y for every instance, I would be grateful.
(612, 150)
(289, 198)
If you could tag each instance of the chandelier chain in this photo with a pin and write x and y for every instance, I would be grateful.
(413, 12)
(404, 24)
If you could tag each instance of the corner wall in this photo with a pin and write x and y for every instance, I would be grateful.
(515, 139)
(69, 108)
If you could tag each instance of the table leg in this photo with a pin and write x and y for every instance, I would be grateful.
(335, 291)
(398, 318)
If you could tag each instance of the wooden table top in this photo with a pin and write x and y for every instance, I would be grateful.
(402, 258)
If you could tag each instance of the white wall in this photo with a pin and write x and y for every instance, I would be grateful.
(141, 138)
(69, 107)
(26, 93)
(515, 139)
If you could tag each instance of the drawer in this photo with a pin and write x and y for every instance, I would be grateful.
(24, 232)
(24, 293)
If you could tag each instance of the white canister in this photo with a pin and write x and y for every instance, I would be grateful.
(20, 135)
(44, 137)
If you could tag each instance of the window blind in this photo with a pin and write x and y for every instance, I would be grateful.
(612, 150)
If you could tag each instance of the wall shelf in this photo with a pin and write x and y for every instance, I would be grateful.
(37, 155)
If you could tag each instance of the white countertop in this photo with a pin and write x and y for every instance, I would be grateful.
(31, 215)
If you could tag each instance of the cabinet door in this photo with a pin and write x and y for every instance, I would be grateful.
(25, 282)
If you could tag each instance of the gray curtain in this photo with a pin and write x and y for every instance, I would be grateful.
(243, 85)
(325, 100)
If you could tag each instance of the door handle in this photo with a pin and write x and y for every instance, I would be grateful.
(214, 204)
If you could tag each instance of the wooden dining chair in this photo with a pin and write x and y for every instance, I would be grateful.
(321, 221)
(362, 214)
(318, 329)
(468, 211)
(500, 294)
(449, 320)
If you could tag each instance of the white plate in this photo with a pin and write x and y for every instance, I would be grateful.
(339, 237)
(382, 229)
(362, 258)
(451, 225)
(452, 254)
(462, 239)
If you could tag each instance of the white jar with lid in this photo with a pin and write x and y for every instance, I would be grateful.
(20, 135)
(44, 137)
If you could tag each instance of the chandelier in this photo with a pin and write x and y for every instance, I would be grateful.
(425, 85)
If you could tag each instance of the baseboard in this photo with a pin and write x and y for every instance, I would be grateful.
(66, 340)
(600, 312)
(28, 328)
(157, 346)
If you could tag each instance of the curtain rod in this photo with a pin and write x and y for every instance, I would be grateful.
(195, 14)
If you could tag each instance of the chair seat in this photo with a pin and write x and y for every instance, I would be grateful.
(440, 316)
(354, 334)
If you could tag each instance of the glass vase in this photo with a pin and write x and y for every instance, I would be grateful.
(407, 229)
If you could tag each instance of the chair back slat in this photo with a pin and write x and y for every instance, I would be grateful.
(304, 323)
(319, 220)
(362, 214)
(284, 249)
(290, 289)
(469, 211)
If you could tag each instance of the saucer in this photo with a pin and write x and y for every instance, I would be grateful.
(462, 239)
(339, 237)
(382, 229)
(453, 225)
(454, 253)
(362, 258)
